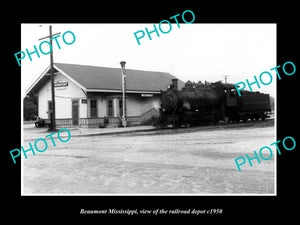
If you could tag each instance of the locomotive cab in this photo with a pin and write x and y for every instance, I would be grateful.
(231, 97)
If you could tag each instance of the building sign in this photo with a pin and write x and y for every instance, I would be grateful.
(147, 95)
(61, 84)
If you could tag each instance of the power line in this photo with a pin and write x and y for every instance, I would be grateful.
(226, 78)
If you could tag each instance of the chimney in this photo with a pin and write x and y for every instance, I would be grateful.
(175, 84)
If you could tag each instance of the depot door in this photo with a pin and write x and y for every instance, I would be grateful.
(75, 112)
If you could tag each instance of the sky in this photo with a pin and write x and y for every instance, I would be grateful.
(195, 51)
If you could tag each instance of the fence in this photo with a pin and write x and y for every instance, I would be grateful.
(107, 121)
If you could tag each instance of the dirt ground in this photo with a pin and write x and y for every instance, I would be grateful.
(198, 160)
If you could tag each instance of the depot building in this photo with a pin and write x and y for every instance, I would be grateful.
(91, 96)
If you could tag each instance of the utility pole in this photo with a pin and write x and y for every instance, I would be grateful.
(53, 123)
(124, 122)
(226, 78)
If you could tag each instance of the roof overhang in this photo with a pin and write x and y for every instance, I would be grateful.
(39, 82)
(45, 77)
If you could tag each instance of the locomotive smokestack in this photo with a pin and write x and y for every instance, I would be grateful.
(175, 84)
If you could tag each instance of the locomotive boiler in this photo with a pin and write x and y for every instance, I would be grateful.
(208, 103)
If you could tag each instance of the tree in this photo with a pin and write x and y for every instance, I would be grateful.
(272, 103)
(30, 110)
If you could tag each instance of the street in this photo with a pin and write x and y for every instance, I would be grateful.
(198, 160)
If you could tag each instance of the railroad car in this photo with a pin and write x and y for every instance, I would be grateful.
(208, 103)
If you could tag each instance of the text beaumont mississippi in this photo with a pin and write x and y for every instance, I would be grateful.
(128, 212)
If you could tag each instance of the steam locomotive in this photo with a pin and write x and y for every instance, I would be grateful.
(209, 103)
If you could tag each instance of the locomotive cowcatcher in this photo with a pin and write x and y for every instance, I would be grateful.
(208, 103)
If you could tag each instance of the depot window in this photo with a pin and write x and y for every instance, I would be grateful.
(110, 109)
(93, 106)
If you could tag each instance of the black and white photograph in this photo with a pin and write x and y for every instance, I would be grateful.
(162, 117)
(139, 112)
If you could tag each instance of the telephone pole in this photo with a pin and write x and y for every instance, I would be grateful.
(124, 122)
(53, 122)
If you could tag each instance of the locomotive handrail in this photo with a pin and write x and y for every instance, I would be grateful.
(148, 115)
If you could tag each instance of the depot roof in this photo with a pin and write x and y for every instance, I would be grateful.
(103, 79)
